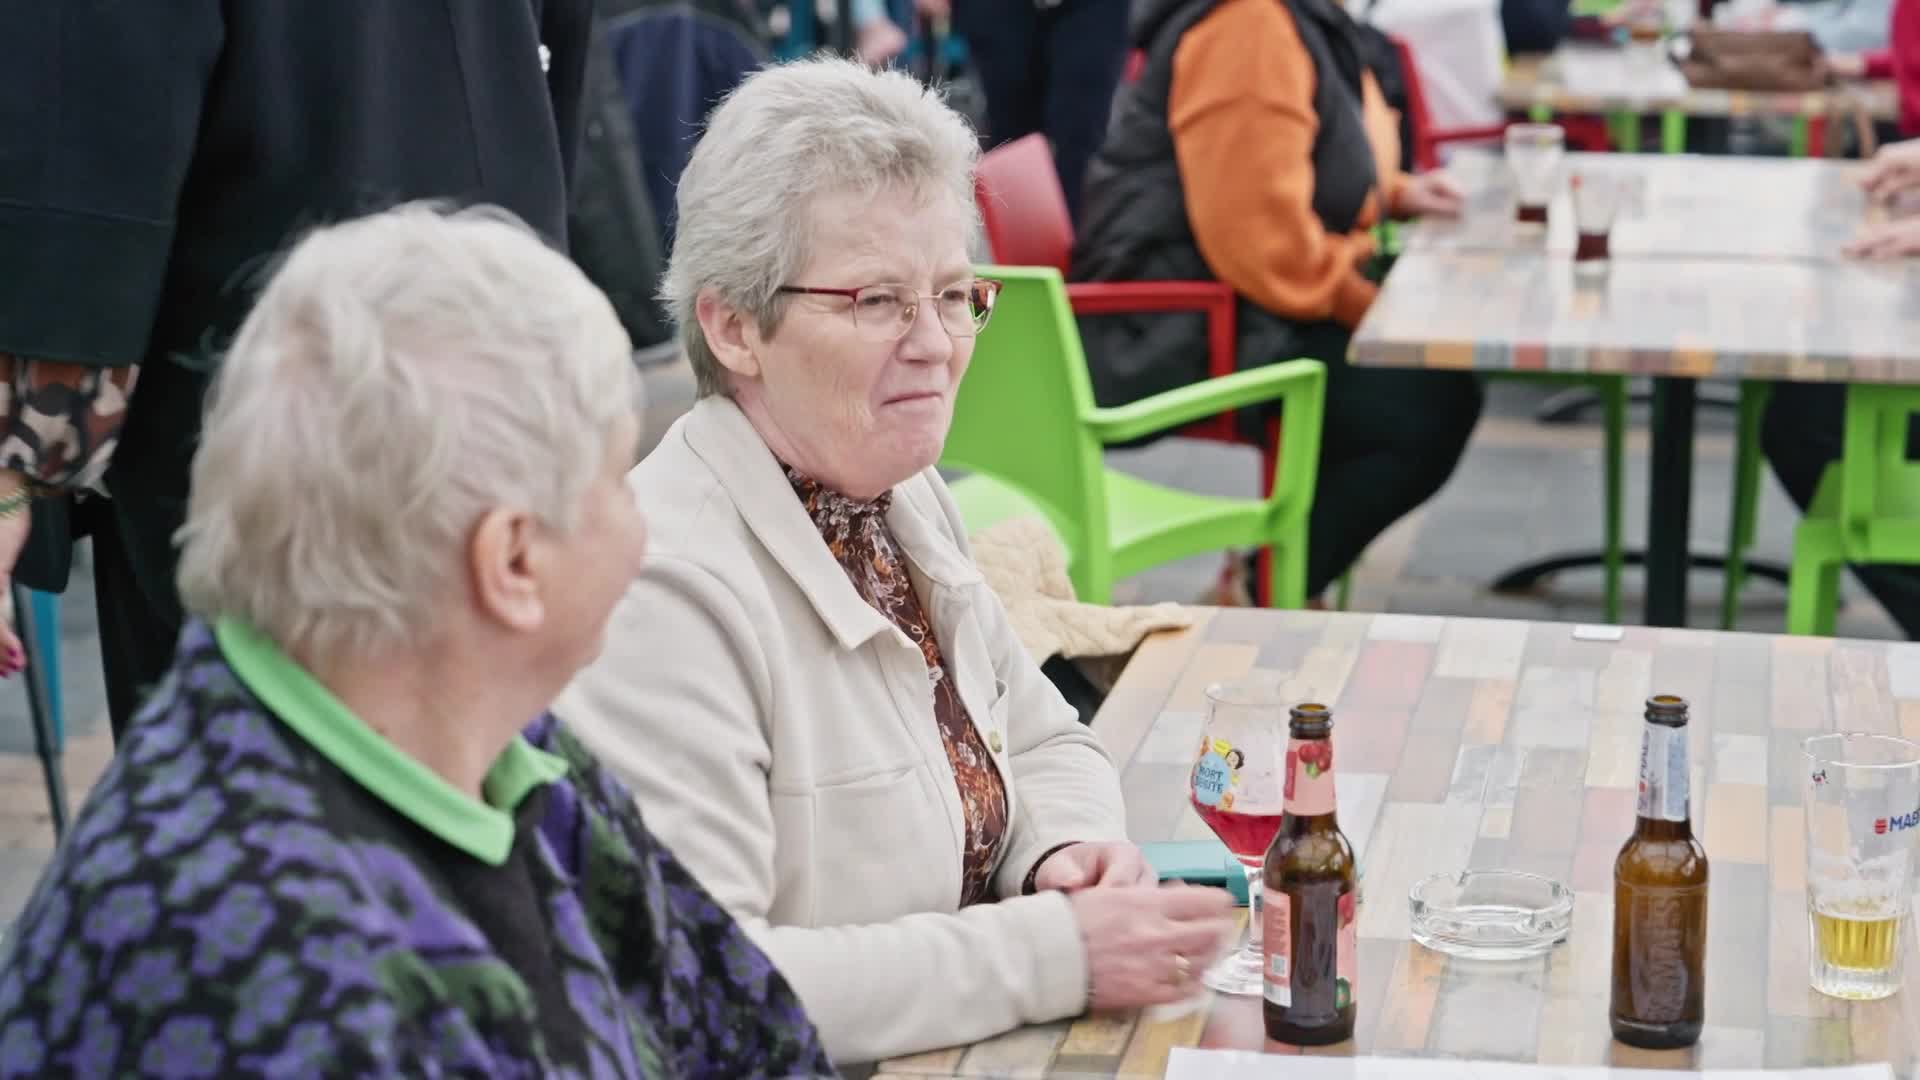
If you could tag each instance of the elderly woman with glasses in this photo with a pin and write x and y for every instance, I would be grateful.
(818, 699)
(331, 844)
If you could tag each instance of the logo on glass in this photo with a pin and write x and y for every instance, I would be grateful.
(1897, 823)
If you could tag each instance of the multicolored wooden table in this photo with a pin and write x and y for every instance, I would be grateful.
(1509, 744)
(1674, 206)
(1681, 307)
(1684, 317)
(1594, 81)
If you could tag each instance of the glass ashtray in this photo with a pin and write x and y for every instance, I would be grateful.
(1490, 914)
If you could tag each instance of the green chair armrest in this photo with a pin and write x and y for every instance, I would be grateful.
(1294, 381)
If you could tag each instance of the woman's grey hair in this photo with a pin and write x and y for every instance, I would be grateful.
(781, 140)
(401, 375)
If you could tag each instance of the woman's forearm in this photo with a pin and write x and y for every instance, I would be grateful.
(923, 981)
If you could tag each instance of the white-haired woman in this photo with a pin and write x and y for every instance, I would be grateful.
(819, 701)
(331, 843)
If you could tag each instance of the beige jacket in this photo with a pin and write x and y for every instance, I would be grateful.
(779, 735)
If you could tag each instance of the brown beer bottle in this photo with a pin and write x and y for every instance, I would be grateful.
(1660, 898)
(1308, 900)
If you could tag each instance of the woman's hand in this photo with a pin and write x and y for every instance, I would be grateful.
(1887, 240)
(1094, 865)
(1847, 65)
(1147, 945)
(1431, 194)
(14, 527)
(1893, 170)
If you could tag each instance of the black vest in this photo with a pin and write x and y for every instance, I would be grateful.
(1134, 220)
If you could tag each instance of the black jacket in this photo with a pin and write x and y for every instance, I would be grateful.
(155, 157)
(1134, 221)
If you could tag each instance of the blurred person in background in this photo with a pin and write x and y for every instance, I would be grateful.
(1839, 27)
(332, 843)
(158, 155)
(1898, 60)
(818, 699)
(1256, 149)
(1535, 26)
(1049, 66)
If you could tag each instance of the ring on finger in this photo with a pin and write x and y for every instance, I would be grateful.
(1182, 968)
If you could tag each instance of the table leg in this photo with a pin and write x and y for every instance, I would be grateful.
(1625, 130)
(1669, 497)
(1673, 132)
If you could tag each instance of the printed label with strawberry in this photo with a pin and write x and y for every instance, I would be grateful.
(1309, 777)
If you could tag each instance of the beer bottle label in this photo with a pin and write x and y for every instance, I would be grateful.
(1309, 777)
(1664, 774)
(1278, 943)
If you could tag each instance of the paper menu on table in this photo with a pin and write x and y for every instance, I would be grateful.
(1188, 1064)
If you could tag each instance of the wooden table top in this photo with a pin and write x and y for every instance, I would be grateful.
(1466, 742)
(1590, 80)
(1684, 317)
(1675, 206)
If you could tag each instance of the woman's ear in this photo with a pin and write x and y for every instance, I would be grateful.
(502, 563)
(729, 334)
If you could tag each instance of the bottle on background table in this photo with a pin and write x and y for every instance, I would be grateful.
(1312, 955)
(1660, 897)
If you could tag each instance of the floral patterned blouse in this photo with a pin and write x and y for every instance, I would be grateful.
(857, 534)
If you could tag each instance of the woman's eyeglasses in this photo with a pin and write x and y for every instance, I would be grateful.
(887, 312)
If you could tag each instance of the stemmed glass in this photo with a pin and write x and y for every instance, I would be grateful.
(1237, 787)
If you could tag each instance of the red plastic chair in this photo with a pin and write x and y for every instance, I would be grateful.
(1026, 219)
(1025, 214)
(1583, 132)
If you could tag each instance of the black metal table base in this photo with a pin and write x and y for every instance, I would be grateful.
(1527, 578)
(1566, 406)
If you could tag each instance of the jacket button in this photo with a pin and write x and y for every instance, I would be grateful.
(993, 741)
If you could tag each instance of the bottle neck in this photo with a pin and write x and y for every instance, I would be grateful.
(1309, 791)
(1646, 828)
(1666, 781)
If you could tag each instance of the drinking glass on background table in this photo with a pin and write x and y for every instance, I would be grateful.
(1862, 795)
(1534, 152)
(1238, 788)
(1596, 202)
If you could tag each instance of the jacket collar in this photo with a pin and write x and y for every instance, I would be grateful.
(720, 435)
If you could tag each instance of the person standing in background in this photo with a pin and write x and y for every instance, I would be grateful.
(154, 158)
(1048, 66)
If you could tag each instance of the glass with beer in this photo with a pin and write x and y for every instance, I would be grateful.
(1596, 199)
(1237, 788)
(1534, 153)
(1862, 797)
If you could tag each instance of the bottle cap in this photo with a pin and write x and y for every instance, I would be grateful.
(1311, 718)
(1670, 709)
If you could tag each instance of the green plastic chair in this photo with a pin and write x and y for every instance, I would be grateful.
(1865, 511)
(1027, 431)
(1744, 518)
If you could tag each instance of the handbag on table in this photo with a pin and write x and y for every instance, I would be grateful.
(1777, 61)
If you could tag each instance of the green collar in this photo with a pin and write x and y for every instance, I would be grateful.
(483, 830)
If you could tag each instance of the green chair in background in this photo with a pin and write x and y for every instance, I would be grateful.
(1027, 432)
(1866, 510)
